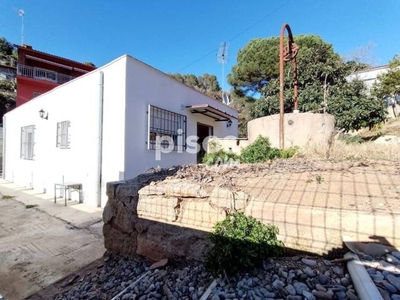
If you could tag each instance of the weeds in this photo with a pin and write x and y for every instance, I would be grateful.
(340, 151)
(352, 139)
(7, 197)
(240, 242)
(319, 179)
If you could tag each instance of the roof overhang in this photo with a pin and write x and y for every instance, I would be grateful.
(55, 63)
(211, 112)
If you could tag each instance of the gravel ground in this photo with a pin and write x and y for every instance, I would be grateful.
(294, 278)
(385, 272)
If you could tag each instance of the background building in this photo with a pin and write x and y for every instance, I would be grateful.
(39, 72)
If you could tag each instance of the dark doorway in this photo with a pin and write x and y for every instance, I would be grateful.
(203, 131)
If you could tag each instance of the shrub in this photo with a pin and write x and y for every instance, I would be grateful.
(240, 242)
(216, 155)
(259, 151)
(290, 152)
(219, 157)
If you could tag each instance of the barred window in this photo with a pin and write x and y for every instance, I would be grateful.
(63, 135)
(166, 129)
(28, 142)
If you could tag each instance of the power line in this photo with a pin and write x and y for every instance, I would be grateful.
(239, 34)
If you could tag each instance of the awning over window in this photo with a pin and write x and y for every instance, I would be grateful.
(212, 112)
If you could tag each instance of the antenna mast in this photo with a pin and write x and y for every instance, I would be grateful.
(222, 58)
(21, 13)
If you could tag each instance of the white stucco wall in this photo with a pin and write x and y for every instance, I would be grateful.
(148, 86)
(129, 87)
(369, 76)
(78, 102)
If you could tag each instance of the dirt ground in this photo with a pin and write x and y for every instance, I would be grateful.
(370, 186)
(37, 249)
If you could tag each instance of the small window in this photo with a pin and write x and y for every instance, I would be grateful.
(166, 129)
(35, 94)
(28, 142)
(63, 135)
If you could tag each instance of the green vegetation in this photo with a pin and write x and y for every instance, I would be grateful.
(259, 151)
(207, 84)
(241, 242)
(319, 179)
(7, 197)
(389, 83)
(322, 84)
(8, 57)
(352, 139)
(290, 152)
(219, 157)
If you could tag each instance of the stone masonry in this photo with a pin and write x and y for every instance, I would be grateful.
(315, 204)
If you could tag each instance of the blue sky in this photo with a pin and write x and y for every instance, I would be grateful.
(172, 35)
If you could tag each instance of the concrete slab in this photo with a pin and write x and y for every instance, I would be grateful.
(41, 244)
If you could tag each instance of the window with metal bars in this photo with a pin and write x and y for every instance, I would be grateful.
(63, 134)
(166, 129)
(28, 142)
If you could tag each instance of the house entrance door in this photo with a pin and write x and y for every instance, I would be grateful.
(203, 131)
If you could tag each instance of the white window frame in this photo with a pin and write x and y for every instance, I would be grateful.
(28, 142)
(165, 125)
(63, 138)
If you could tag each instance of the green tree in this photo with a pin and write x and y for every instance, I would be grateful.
(206, 83)
(243, 105)
(388, 84)
(321, 78)
(8, 56)
(354, 109)
(5, 47)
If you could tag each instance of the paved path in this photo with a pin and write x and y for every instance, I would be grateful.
(42, 244)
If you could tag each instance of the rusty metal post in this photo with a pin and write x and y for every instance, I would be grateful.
(295, 85)
(286, 54)
(282, 90)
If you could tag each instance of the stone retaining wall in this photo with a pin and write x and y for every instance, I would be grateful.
(158, 217)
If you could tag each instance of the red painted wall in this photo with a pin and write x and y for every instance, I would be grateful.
(28, 86)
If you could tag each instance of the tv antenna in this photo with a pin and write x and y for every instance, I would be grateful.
(21, 13)
(222, 58)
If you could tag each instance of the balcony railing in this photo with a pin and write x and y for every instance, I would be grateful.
(43, 74)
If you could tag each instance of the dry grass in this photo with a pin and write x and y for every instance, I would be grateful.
(391, 127)
(340, 151)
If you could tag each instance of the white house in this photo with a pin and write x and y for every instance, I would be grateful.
(110, 124)
(369, 76)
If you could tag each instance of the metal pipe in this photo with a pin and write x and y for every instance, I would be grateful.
(100, 139)
(295, 85)
(285, 55)
(282, 89)
(4, 147)
(365, 287)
